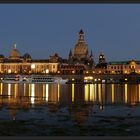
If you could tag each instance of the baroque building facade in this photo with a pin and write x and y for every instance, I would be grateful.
(18, 64)
(80, 54)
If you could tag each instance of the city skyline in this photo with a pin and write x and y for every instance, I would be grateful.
(44, 29)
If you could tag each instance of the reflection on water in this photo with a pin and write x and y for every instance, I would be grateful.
(101, 94)
(26, 96)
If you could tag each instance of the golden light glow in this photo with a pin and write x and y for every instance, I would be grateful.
(99, 93)
(88, 78)
(16, 86)
(86, 71)
(95, 91)
(58, 91)
(9, 90)
(43, 90)
(47, 92)
(125, 71)
(47, 71)
(125, 93)
(24, 89)
(72, 92)
(113, 71)
(112, 89)
(92, 89)
(86, 92)
(9, 70)
(32, 66)
(125, 79)
(32, 93)
(99, 71)
(139, 92)
(93, 71)
(1, 88)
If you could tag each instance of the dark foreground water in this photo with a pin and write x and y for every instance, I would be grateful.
(69, 109)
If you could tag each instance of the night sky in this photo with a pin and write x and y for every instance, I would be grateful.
(43, 29)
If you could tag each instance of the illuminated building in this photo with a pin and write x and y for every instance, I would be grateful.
(80, 54)
(124, 67)
(16, 63)
(101, 67)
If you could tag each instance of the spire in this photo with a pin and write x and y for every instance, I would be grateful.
(70, 53)
(81, 36)
(15, 46)
(91, 55)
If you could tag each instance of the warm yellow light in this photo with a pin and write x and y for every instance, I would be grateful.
(125, 93)
(32, 93)
(47, 71)
(112, 87)
(113, 71)
(99, 71)
(72, 92)
(86, 92)
(9, 70)
(93, 71)
(33, 66)
(125, 71)
(86, 71)
(125, 79)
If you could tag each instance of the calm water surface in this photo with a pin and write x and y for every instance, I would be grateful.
(68, 105)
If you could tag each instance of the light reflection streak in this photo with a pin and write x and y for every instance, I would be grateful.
(72, 92)
(86, 91)
(15, 89)
(9, 90)
(1, 88)
(112, 89)
(47, 90)
(99, 93)
(24, 89)
(43, 91)
(139, 92)
(125, 91)
(92, 92)
(95, 97)
(32, 93)
(58, 91)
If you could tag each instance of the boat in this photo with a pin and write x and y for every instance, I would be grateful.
(46, 79)
(33, 79)
(40, 79)
(12, 79)
(60, 80)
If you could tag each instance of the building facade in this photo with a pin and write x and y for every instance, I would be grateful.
(18, 64)
(80, 54)
(123, 67)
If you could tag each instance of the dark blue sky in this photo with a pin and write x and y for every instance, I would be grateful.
(43, 29)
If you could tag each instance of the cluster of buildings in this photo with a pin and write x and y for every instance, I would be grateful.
(79, 61)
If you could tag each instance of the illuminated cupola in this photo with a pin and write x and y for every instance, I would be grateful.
(15, 54)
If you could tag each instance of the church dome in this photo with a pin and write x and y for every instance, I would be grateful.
(15, 53)
(81, 48)
(1, 56)
(27, 56)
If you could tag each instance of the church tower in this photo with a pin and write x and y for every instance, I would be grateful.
(80, 53)
(81, 48)
(102, 58)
